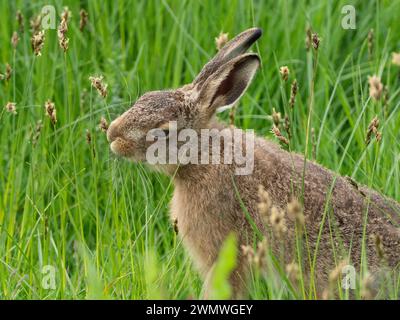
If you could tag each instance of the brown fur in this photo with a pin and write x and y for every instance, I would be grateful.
(205, 203)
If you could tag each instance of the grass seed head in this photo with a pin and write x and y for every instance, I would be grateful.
(175, 225)
(36, 23)
(314, 144)
(261, 253)
(256, 257)
(276, 117)
(277, 133)
(378, 243)
(315, 41)
(367, 291)
(370, 38)
(284, 71)
(293, 92)
(248, 252)
(278, 222)
(15, 40)
(262, 247)
(293, 271)
(83, 19)
(11, 107)
(51, 112)
(334, 276)
(88, 137)
(336, 273)
(36, 132)
(287, 126)
(103, 125)
(378, 136)
(221, 40)
(37, 42)
(265, 210)
(295, 211)
(101, 87)
(375, 87)
(264, 201)
(8, 74)
(89, 142)
(373, 129)
(20, 21)
(63, 29)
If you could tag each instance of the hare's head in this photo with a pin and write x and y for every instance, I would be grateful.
(222, 81)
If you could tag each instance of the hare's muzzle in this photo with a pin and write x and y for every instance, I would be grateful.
(114, 136)
(118, 143)
(113, 132)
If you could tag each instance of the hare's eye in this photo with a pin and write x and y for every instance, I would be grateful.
(160, 133)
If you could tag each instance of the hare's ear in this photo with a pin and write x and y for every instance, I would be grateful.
(232, 49)
(225, 86)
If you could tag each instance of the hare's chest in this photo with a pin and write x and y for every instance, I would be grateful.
(204, 220)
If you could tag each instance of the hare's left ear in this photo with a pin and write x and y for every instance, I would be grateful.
(225, 86)
(231, 50)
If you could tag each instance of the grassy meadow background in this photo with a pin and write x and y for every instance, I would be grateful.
(103, 223)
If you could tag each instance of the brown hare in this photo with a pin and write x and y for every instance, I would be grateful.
(212, 200)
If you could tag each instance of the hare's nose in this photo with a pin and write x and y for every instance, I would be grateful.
(113, 131)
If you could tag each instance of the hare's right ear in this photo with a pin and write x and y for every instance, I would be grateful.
(231, 50)
(225, 86)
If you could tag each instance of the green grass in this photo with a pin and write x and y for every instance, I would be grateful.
(103, 223)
